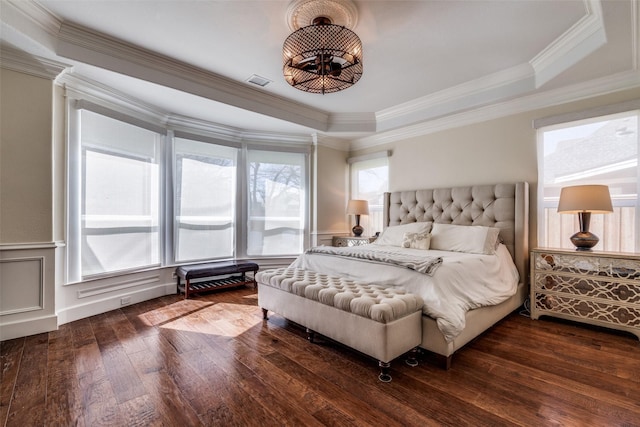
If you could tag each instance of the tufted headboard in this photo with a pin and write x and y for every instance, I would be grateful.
(505, 206)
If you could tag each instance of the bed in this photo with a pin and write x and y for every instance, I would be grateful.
(477, 258)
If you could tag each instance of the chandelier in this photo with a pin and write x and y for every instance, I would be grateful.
(322, 57)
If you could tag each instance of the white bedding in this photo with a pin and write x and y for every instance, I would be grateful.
(462, 282)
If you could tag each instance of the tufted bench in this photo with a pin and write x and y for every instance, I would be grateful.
(380, 322)
(211, 270)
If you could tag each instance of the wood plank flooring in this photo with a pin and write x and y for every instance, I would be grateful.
(212, 361)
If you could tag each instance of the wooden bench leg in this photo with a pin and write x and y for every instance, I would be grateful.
(264, 314)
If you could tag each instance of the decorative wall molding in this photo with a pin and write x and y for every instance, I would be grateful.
(115, 286)
(27, 291)
(19, 270)
(81, 310)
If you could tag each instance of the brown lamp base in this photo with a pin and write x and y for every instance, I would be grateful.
(584, 240)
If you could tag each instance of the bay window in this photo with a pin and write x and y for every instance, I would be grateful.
(140, 196)
(277, 203)
(115, 212)
(205, 200)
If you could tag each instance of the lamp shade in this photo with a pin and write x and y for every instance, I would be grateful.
(358, 207)
(585, 198)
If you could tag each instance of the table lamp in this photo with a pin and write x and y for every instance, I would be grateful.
(357, 208)
(585, 200)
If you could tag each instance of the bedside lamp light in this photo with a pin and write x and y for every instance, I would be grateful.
(357, 208)
(585, 200)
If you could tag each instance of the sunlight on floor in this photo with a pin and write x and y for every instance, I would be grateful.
(209, 317)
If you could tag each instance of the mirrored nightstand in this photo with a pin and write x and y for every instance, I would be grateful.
(352, 240)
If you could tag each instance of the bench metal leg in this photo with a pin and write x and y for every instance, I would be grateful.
(384, 376)
(311, 335)
(412, 357)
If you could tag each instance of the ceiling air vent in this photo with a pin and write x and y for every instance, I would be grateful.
(258, 80)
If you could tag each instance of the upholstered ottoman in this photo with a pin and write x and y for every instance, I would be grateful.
(380, 322)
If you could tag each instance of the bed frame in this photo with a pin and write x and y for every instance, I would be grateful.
(505, 206)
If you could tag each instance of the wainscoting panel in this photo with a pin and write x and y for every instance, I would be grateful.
(22, 285)
(27, 289)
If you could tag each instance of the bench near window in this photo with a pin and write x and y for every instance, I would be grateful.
(234, 272)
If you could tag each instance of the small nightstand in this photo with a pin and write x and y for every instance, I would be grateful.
(352, 240)
(599, 288)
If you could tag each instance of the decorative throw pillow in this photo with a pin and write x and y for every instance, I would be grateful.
(394, 235)
(416, 240)
(465, 238)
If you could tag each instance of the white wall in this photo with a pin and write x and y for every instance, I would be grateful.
(332, 179)
(27, 251)
(494, 151)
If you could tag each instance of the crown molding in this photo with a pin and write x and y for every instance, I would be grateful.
(16, 60)
(474, 93)
(618, 82)
(349, 122)
(82, 88)
(28, 22)
(582, 39)
(85, 89)
(333, 142)
(229, 133)
(90, 47)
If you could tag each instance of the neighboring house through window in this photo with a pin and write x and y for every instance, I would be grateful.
(596, 150)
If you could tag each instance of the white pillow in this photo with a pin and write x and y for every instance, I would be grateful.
(394, 235)
(474, 239)
(416, 241)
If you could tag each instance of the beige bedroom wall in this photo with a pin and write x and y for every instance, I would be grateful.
(25, 158)
(332, 185)
(499, 150)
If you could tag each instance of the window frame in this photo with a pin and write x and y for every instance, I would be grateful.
(374, 160)
(566, 121)
(167, 181)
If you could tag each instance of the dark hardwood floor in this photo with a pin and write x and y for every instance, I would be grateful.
(212, 361)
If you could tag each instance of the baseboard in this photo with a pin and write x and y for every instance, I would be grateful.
(81, 311)
(19, 329)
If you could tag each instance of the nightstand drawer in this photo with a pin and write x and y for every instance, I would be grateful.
(589, 287)
(589, 311)
(588, 265)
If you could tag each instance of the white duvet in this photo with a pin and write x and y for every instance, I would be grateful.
(463, 282)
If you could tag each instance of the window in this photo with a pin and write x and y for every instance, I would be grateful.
(277, 203)
(117, 205)
(205, 200)
(600, 150)
(369, 181)
(139, 199)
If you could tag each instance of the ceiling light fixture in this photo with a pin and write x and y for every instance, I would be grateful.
(322, 57)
